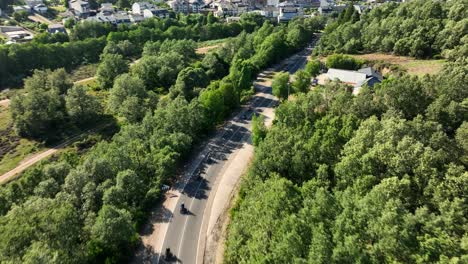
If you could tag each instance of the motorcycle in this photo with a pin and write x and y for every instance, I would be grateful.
(168, 255)
(183, 209)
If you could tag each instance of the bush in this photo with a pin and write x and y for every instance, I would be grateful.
(345, 62)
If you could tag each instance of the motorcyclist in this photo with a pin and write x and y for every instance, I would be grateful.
(168, 254)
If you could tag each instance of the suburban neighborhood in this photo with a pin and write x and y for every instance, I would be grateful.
(81, 10)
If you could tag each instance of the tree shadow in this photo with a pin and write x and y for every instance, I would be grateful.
(197, 189)
(145, 255)
(161, 215)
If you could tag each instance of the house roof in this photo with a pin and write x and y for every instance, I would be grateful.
(369, 71)
(355, 78)
(350, 77)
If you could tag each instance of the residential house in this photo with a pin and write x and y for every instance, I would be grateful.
(180, 6)
(224, 8)
(287, 11)
(139, 7)
(155, 12)
(328, 7)
(136, 18)
(357, 79)
(195, 6)
(107, 8)
(80, 8)
(308, 3)
(56, 28)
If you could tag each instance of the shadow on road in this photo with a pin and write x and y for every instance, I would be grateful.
(146, 255)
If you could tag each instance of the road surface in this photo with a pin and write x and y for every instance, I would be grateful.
(207, 184)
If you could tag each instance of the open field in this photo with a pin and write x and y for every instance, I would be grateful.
(211, 42)
(411, 65)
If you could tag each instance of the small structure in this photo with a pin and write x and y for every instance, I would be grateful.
(16, 34)
(355, 78)
(41, 8)
(56, 28)
(22, 8)
(80, 8)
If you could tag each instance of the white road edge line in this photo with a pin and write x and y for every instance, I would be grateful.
(193, 198)
(203, 219)
(191, 174)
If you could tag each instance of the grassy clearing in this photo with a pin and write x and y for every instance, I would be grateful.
(211, 42)
(13, 149)
(84, 71)
(410, 65)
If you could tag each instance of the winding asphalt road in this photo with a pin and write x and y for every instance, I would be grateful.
(184, 234)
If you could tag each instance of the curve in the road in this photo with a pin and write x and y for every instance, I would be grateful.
(183, 234)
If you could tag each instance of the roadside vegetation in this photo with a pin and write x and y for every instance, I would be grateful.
(378, 178)
(88, 209)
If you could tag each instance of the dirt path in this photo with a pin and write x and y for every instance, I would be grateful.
(5, 102)
(40, 19)
(30, 161)
(204, 50)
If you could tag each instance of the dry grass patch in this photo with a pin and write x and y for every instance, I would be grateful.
(411, 65)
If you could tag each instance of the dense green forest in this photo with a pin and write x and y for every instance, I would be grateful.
(375, 178)
(88, 209)
(88, 39)
(418, 28)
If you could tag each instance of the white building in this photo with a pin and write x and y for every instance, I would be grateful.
(356, 79)
(139, 7)
(288, 11)
(156, 12)
(80, 8)
(40, 8)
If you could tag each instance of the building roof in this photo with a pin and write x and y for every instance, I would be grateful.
(144, 5)
(355, 78)
(370, 72)
(349, 77)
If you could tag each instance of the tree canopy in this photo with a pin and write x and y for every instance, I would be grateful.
(419, 28)
(375, 177)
